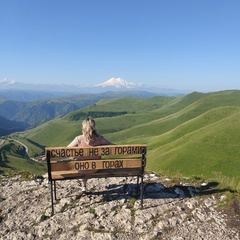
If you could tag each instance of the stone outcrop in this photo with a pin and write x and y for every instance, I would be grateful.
(111, 210)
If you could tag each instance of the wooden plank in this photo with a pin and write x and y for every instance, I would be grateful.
(81, 165)
(106, 150)
(64, 175)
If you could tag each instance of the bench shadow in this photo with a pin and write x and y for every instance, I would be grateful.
(36, 144)
(155, 190)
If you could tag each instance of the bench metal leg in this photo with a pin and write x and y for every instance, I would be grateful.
(52, 197)
(55, 191)
(141, 191)
(137, 185)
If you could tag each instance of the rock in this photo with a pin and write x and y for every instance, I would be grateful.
(111, 210)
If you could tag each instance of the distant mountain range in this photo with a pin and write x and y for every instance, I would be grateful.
(8, 126)
(28, 114)
(29, 105)
(10, 89)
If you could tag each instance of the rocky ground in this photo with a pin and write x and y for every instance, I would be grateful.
(111, 211)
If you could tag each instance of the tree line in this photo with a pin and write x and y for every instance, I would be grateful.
(95, 114)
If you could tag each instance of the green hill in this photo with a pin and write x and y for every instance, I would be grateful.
(35, 112)
(196, 135)
(13, 161)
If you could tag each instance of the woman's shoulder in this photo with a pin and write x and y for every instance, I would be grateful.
(76, 141)
(79, 137)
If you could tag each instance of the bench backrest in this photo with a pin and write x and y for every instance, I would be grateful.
(93, 162)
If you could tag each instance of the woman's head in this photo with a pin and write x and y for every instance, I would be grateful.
(89, 128)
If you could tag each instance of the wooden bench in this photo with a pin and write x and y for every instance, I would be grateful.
(102, 162)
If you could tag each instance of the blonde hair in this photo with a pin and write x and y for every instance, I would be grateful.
(89, 128)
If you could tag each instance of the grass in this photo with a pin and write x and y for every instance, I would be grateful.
(12, 162)
(92, 210)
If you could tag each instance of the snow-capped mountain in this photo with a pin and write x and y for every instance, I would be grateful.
(6, 82)
(118, 83)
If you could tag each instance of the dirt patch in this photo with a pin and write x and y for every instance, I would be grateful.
(233, 215)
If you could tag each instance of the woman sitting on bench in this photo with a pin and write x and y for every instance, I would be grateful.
(89, 137)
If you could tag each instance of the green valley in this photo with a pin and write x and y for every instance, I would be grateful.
(195, 136)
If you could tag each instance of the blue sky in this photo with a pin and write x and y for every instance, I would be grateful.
(180, 44)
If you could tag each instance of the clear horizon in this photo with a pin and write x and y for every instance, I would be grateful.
(171, 44)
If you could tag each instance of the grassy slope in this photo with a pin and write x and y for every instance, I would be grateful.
(12, 161)
(59, 132)
(192, 135)
(199, 151)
